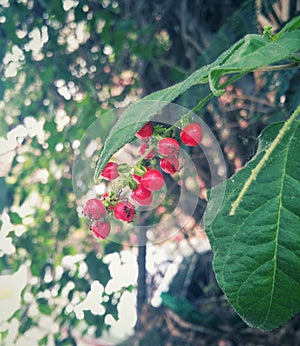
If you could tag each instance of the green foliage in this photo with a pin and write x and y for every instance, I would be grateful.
(97, 268)
(56, 80)
(186, 310)
(61, 88)
(256, 249)
(250, 53)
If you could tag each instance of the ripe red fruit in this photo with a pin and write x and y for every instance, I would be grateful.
(110, 172)
(191, 135)
(137, 178)
(169, 165)
(103, 197)
(145, 132)
(141, 195)
(94, 209)
(152, 180)
(100, 229)
(124, 211)
(168, 147)
(143, 148)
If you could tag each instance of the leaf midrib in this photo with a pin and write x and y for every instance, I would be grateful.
(280, 207)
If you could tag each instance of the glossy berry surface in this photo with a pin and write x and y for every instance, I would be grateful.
(145, 132)
(143, 149)
(142, 196)
(191, 135)
(152, 180)
(168, 147)
(100, 229)
(110, 172)
(94, 209)
(124, 211)
(169, 165)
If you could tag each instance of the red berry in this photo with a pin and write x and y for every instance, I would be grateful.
(137, 178)
(152, 180)
(191, 135)
(100, 229)
(141, 195)
(110, 172)
(124, 211)
(168, 147)
(169, 165)
(94, 209)
(103, 197)
(143, 148)
(145, 132)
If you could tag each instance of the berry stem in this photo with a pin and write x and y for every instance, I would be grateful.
(201, 104)
(186, 116)
(143, 157)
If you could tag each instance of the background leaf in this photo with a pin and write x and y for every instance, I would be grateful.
(257, 251)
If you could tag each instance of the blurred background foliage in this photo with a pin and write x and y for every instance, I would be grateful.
(66, 63)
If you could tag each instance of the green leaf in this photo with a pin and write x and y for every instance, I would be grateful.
(43, 341)
(253, 52)
(69, 250)
(3, 124)
(257, 250)
(3, 189)
(97, 269)
(112, 247)
(248, 54)
(292, 25)
(185, 309)
(15, 218)
(44, 307)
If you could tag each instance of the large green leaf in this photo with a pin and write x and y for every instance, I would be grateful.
(248, 54)
(257, 250)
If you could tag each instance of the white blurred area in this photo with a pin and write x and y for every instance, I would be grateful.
(123, 266)
(14, 139)
(11, 287)
(123, 270)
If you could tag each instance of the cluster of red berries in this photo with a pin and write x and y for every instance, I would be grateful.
(168, 148)
(142, 180)
(97, 209)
